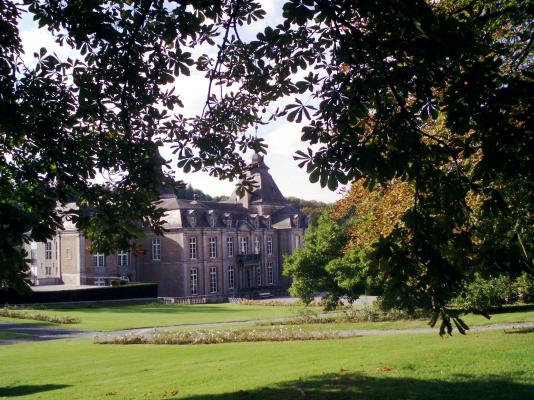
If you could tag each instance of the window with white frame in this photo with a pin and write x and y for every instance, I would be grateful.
(100, 282)
(268, 223)
(194, 281)
(99, 261)
(122, 258)
(297, 241)
(257, 245)
(230, 246)
(211, 220)
(269, 245)
(33, 253)
(243, 245)
(156, 249)
(231, 277)
(228, 222)
(193, 220)
(68, 253)
(270, 273)
(213, 247)
(193, 253)
(213, 280)
(258, 275)
(48, 250)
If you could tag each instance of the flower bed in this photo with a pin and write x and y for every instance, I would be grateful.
(214, 336)
(6, 312)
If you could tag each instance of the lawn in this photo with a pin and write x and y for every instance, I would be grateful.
(488, 365)
(116, 316)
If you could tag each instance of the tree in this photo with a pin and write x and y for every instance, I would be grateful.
(338, 254)
(309, 207)
(434, 94)
(62, 122)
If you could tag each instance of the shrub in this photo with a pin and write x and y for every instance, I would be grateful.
(481, 294)
(367, 313)
(524, 285)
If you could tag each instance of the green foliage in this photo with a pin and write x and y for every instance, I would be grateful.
(323, 265)
(436, 94)
(313, 208)
(524, 285)
(65, 122)
(480, 295)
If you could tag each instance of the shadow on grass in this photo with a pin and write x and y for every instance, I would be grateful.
(26, 390)
(346, 386)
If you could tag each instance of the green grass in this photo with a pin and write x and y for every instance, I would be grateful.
(488, 365)
(7, 335)
(116, 316)
(471, 320)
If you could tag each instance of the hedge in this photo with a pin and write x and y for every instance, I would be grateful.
(128, 291)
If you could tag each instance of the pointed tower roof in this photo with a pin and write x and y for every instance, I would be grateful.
(266, 190)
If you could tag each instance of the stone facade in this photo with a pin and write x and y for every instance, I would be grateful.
(223, 249)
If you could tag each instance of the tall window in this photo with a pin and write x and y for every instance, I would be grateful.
(33, 256)
(297, 241)
(213, 247)
(193, 220)
(193, 254)
(231, 277)
(213, 280)
(211, 220)
(268, 223)
(269, 245)
(194, 281)
(257, 245)
(48, 250)
(122, 258)
(258, 275)
(230, 246)
(156, 249)
(99, 261)
(270, 273)
(244, 245)
(228, 222)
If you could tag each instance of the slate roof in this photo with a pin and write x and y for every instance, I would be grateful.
(266, 190)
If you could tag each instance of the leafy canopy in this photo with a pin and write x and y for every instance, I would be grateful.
(62, 122)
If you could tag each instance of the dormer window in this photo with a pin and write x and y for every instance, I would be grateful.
(268, 222)
(296, 221)
(211, 219)
(254, 221)
(192, 219)
(228, 220)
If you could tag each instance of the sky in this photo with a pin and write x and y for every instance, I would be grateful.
(282, 137)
